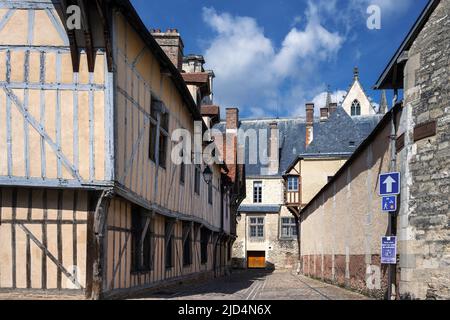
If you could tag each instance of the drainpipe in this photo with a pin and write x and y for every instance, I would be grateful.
(392, 223)
(299, 227)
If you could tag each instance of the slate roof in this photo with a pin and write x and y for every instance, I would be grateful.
(260, 209)
(339, 136)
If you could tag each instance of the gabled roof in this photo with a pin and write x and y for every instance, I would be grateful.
(341, 133)
(385, 120)
(332, 138)
(392, 76)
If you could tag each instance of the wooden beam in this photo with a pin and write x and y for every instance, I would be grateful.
(35, 124)
(119, 260)
(104, 17)
(89, 43)
(74, 50)
(97, 254)
(50, 256)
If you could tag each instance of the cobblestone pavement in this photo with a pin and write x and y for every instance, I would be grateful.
(257, 285)
(242, 285)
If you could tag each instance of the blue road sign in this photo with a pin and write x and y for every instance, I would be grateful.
(389, 250)
(389, 204)
(390, 184)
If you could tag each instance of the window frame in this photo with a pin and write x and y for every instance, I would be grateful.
(289, 186)
(210, 193)
(204, 244)
(258, 226)
(257, 192)
(356, 108)
(169, 264)
(182, 170)
(187, 244)
(142, 257)
(159, 133)
(197, 179)
(290, 225)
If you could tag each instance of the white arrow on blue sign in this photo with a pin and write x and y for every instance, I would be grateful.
(390, 184)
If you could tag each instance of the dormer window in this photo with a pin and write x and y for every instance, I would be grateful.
(356, 108)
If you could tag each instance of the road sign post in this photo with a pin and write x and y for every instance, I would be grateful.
(390, 185)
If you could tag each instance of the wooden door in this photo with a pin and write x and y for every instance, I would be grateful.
(256, 259)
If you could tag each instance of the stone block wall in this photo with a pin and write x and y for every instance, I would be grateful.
(424, 221)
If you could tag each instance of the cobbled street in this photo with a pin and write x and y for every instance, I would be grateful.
(257, 285)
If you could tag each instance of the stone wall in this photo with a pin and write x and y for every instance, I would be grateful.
(424, 220)
(342, 227)
(280, 254)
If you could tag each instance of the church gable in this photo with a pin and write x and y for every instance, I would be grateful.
(356, 103)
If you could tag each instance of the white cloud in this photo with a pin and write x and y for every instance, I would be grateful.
(265, 78)
(320, 101)
(250, 69)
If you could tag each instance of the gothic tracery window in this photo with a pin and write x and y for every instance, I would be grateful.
(356, 108)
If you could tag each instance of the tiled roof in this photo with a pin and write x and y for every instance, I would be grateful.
(339, 136)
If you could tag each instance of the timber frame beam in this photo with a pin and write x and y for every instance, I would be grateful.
(96, 251)
(74, 50)
(89, 10)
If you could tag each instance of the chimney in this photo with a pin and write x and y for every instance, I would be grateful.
(324, 113)
(309, 123)
(232, 118)
(333, 108)
(383, 104)
(274, 149)
(172, 44)
(231, 145)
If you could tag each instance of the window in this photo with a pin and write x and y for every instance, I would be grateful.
(204, 240)
(288, 228)
(292, 183)
(153, 131)
(257, 228)
(163, 139)
(169, 227)
(210, 193)
(159, 134)
(356, 108)
(197, 174)
(257, 192)
(142, 240)
(187, 245)
(182, 170)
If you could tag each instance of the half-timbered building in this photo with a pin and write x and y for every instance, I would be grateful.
(90, 201)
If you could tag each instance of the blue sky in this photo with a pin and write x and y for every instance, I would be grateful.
(271, 57)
